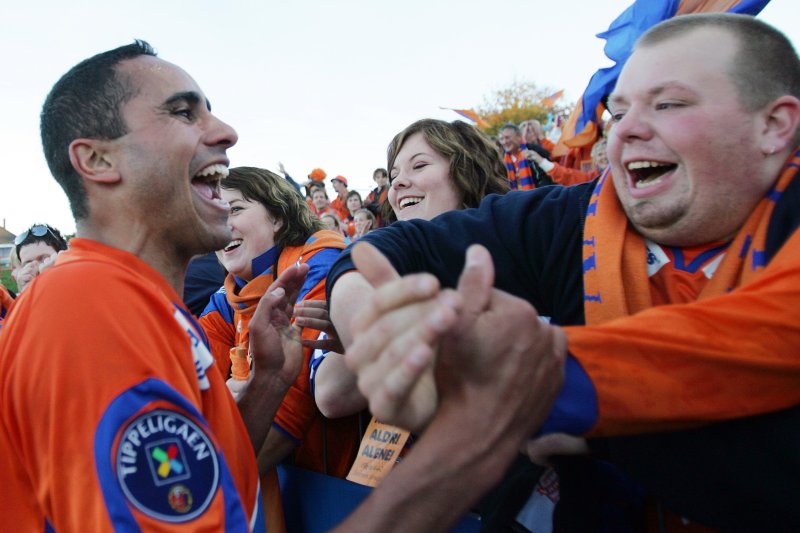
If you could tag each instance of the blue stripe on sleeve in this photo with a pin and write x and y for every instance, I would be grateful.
(575, 410)
(319, 265)
(116, 416)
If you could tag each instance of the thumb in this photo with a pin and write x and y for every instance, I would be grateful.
(373, 265)
(476, 280)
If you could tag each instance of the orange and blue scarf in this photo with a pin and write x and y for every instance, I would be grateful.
(520, 176)
(614, 255)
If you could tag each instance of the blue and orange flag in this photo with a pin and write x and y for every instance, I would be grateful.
(550, 101)
(620, 38)
(470, 115)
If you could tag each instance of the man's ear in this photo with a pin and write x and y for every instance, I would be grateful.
(782, 118)
(93, 160)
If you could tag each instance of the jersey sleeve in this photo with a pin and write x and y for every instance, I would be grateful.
(109, 417)
(568, 176)
(217, 322)
(675, 366)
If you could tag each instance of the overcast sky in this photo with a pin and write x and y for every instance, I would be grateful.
(312, 84)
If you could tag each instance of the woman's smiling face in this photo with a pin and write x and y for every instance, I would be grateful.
(253, 230)
(421, 186)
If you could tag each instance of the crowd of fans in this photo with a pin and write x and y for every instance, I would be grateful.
(436, 166)
(357, 340)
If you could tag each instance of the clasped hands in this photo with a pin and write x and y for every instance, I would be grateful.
(475, 354)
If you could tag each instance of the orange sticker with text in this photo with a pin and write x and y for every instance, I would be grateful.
(379, 451)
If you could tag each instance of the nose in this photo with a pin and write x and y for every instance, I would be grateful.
(221, 134)
(633, 125)
(399, 182)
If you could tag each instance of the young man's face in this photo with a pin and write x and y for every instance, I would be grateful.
(36, 252)
(172, 158)
(353, 204)
(381, 179)
(33, 259)
(319, 199)
(685, 154)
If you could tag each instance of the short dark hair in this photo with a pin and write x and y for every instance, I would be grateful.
(52, 238)
(765, 66)
(381, 171)
(86, 103)
(280, 199)
(475, 165)
(511, 126)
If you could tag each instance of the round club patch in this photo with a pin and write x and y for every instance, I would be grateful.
(167, 466)
(180, 499)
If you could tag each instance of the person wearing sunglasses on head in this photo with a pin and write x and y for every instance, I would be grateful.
(36, 249)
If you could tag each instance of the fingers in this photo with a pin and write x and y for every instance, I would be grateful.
(331, 345)
(274, 342)
(373, 265)
(392, 403)
(312, 314)
(272, 300)
(398, 334)
(313, 305)
(264, 338)
(312, 323)
(542, 450)
(399, 384)
(393, 295)
(291, 280)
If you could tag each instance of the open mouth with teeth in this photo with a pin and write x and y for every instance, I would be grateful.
(409, 201)
(235, 243)
(206, 182)
(647, 173)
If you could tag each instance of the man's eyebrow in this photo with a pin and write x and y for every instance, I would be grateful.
(617, 98)
(190, 97)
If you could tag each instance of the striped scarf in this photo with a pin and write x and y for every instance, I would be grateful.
(520, 176)
(614, 255)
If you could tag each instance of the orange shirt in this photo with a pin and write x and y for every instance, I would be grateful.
(340, 206)
(570, 176)
(113, 415)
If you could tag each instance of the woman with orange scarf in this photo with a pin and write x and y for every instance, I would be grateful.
(272, 229)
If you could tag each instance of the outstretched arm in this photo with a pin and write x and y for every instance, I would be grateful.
(498, 372)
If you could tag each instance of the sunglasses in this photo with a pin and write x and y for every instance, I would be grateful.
(39, 230)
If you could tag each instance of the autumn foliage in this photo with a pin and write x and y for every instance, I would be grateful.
(519, 101)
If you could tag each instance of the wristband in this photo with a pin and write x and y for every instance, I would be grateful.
(547, 165)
